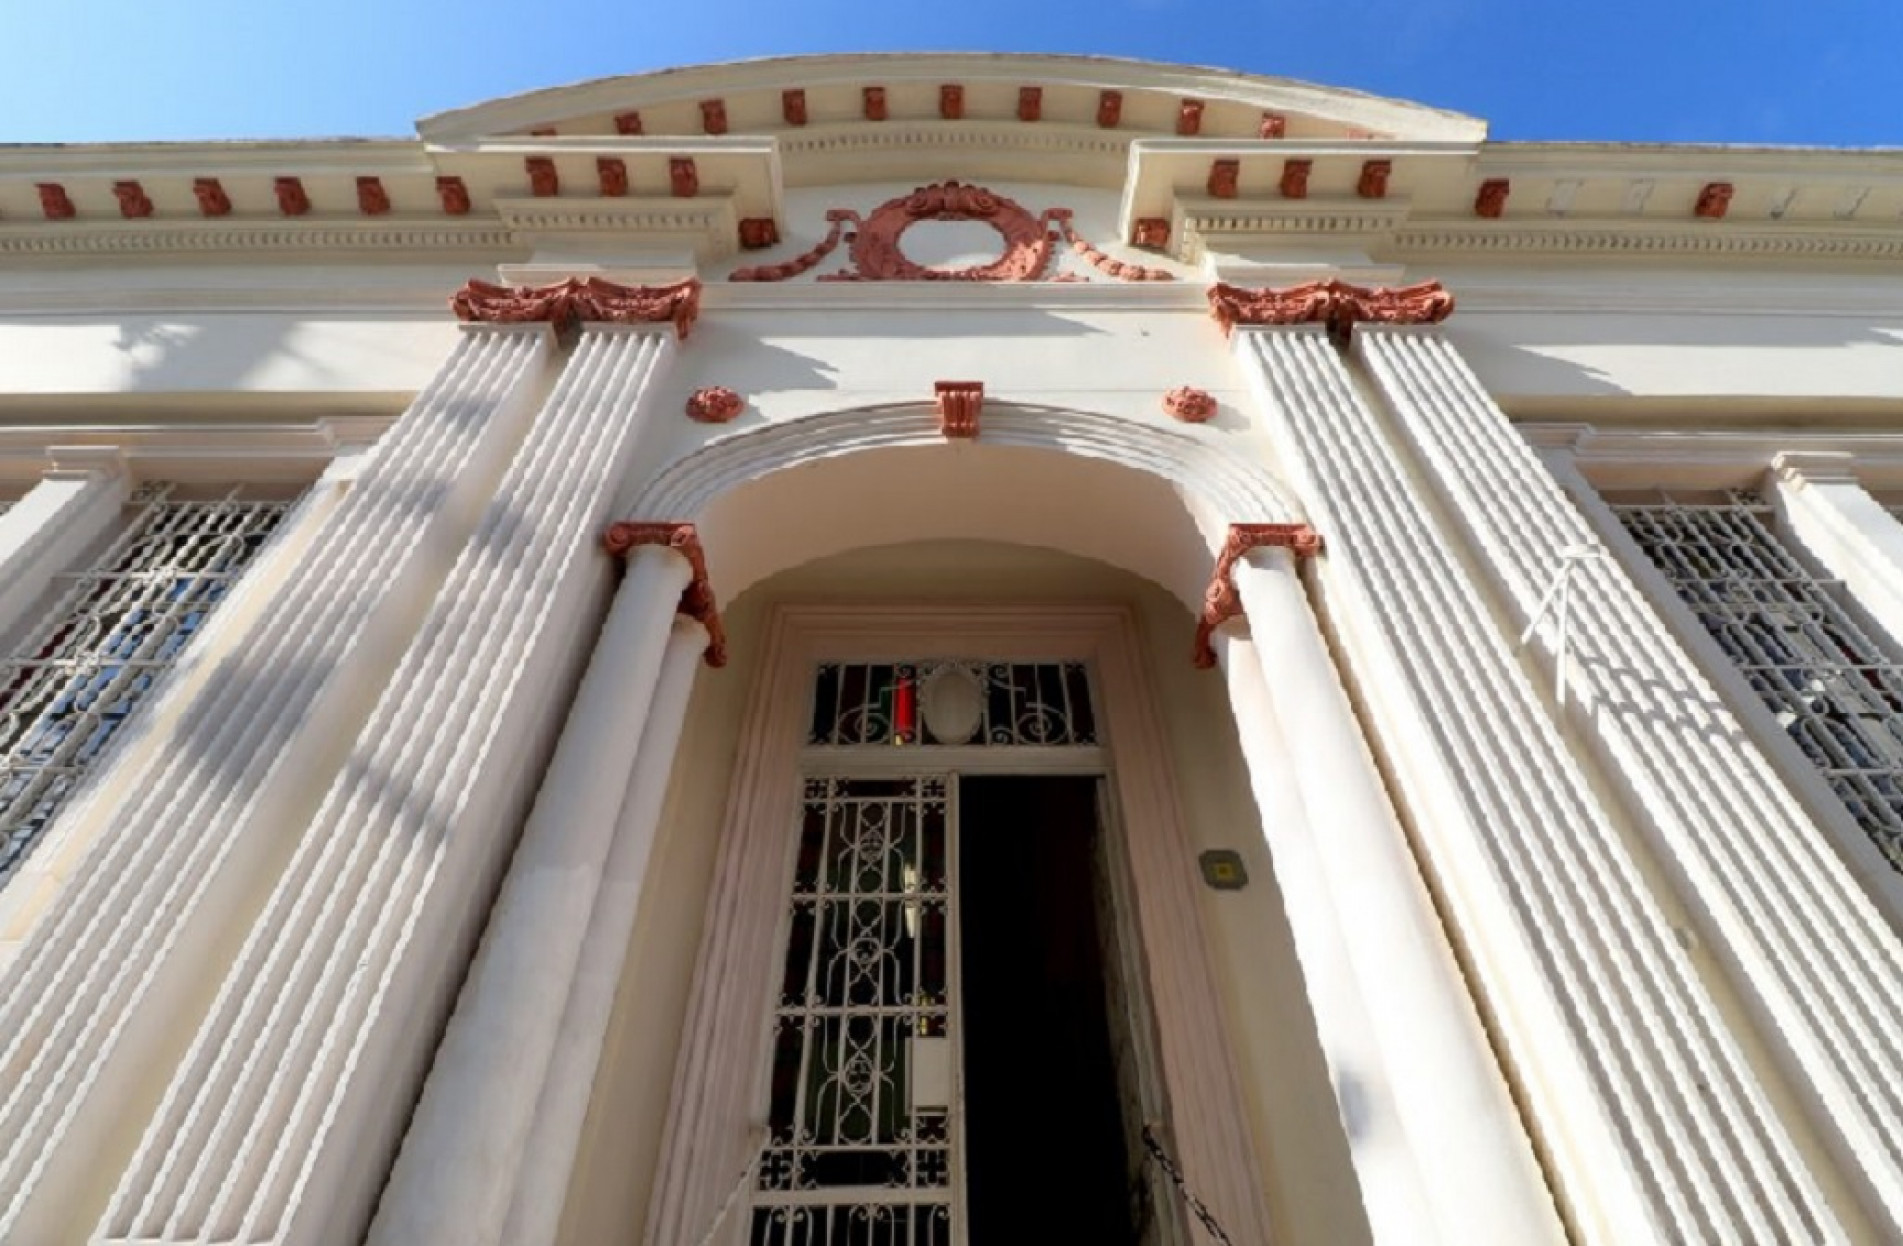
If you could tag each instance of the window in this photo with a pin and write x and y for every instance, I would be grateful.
(1833, 688)
(114, 628)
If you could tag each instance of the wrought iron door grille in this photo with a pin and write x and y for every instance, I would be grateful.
(859, 1125)
(115, 628)
(1836, 691)
(1023, 703)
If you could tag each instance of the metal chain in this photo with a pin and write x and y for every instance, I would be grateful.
(1196, 1206)
(759, 1141)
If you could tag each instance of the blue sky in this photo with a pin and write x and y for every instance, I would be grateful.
(1749, 71)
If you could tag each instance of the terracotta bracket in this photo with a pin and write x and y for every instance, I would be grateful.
(697, 599)
(1221, 602)
(959, 405)
(1334, 304)
(577, 299)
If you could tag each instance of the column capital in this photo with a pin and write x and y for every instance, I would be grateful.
(75, 462)
(1816, 466)
(1335, 304)
(579, 299)
(697, 599)
(1221, 602)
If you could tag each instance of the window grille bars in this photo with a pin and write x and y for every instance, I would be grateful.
(1834, 689)
(116, 627)
(1024, 703)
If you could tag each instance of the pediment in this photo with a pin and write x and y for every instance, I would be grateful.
(872, 117)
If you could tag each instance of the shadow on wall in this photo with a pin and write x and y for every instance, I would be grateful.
(1605, 355)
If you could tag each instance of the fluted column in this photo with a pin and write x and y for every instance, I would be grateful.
(1656, 1127)
(1821, 970)
(1850, 534)
(110, 985)
(281, 1122)
(555, 1142)
(1438, 1148)
(75, 503)
(467, 1150)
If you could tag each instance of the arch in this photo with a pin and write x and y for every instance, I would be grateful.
(1152, 500)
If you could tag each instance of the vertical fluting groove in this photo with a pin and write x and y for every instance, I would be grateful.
(313, 1037)
(1810, 945)
(73, 992)
(1706, 1152)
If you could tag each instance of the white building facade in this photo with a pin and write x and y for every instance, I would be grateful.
(950, 650)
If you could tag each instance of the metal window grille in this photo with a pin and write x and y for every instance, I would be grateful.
(114, 630)
(1835, 691)
(1023, 703)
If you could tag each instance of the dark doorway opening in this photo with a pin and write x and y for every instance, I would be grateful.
(1044, 1137)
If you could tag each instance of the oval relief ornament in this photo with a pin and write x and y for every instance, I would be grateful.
(952, 699)
(715, 404)
(1189, 404)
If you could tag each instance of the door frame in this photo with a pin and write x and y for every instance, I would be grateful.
(712, 1132)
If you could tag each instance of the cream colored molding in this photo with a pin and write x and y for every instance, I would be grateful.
(310, 158)
(708, 224)
(1795, 240)
(310, 234)
(1698, 459)
(937, 296)
(205, 453)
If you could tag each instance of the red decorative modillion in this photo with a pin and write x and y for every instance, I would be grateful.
(1336, 304)
(1189, 404)
(697, 599)
(1490, 201)
(1374, 179)
(682, 177)
(372, 198)
(1222, 178)
(714, 404)
(793, 106)
(54, 202)
(454, 194)
(1030, 103)
(759, 232)
(1221, 602)
(293, 199)
(951, 102)
(212, 199)
(1274, 125)
(544, 181)
(872, 101)
(1189, 117)
(1295, 178)
(960, 403)
(1109, 109)
(134, 203)
(612, 172)
(577, 299)
(1714, 201)
(1152, 231)
(713, 116)
(627, 123)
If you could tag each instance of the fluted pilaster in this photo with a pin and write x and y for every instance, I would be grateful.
(1657, 1126)
(1809, 952)
(468, 1143)
(107, 990)
(281, 1122)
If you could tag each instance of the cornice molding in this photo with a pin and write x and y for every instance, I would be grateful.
(1573, 237)
(710, 215)
(228, 235)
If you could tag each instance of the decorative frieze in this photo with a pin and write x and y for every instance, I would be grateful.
(1221, 601)
(1778, 906)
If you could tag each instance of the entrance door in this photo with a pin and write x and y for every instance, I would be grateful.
(1045, 1159)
